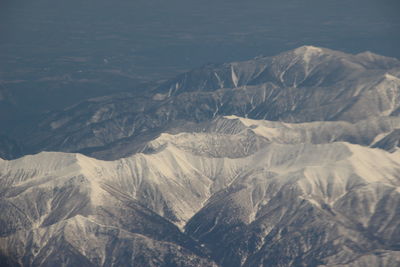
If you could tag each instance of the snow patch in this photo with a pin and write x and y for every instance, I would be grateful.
(308, 52)
(234, 77)
(391, 77)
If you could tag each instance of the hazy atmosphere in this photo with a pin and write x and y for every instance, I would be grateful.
(50, 47)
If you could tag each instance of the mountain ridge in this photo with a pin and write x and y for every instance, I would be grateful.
(333, 86)
(290, 160)
(328, 176)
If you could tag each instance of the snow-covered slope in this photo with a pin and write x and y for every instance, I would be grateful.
(63, 208)
(302, 67)
(303, 85)
(290, 160)
(216, 137)
(234, 191)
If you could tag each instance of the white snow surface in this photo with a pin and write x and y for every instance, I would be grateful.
(187, 168)
(183, 173)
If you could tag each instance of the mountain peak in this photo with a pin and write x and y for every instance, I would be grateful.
(308, 52)
(305, 49)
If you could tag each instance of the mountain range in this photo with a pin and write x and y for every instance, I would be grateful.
(303, 85)
(291, 160)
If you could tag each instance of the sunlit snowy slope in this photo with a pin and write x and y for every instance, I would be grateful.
(232, 192)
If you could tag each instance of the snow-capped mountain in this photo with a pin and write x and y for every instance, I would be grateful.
(290, 160)
(306, 66)
(244, 192)
(302, 85)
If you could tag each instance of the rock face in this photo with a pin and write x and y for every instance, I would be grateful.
(208, 181)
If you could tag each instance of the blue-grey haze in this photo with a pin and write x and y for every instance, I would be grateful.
(55, 53)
